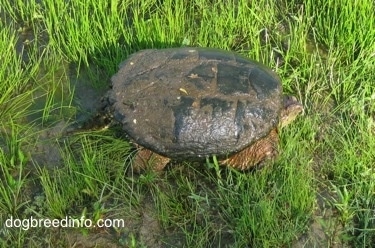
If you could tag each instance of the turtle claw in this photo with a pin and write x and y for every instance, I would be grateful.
(146, 159)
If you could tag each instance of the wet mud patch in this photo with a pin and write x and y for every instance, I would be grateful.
(45, 150)
(54, 116)
(89, 91)
(325, 228)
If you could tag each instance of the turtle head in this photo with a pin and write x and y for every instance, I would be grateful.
(291, 109)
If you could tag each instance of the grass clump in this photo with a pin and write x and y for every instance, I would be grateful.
(352, 182)
(87, 176)
(12, 76)
(265, 201)
(13, 167)
(344, 26)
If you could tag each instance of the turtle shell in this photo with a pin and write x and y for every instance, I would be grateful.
(187, 103)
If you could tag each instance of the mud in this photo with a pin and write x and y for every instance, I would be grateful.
(325, 229)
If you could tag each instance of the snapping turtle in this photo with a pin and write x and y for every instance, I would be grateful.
(190, 103)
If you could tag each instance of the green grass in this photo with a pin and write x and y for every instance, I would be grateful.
(324, 52)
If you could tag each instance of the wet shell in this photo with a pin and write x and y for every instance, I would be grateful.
(187, 103)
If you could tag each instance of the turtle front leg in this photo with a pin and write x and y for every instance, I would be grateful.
(145, 158)
(256, 154)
